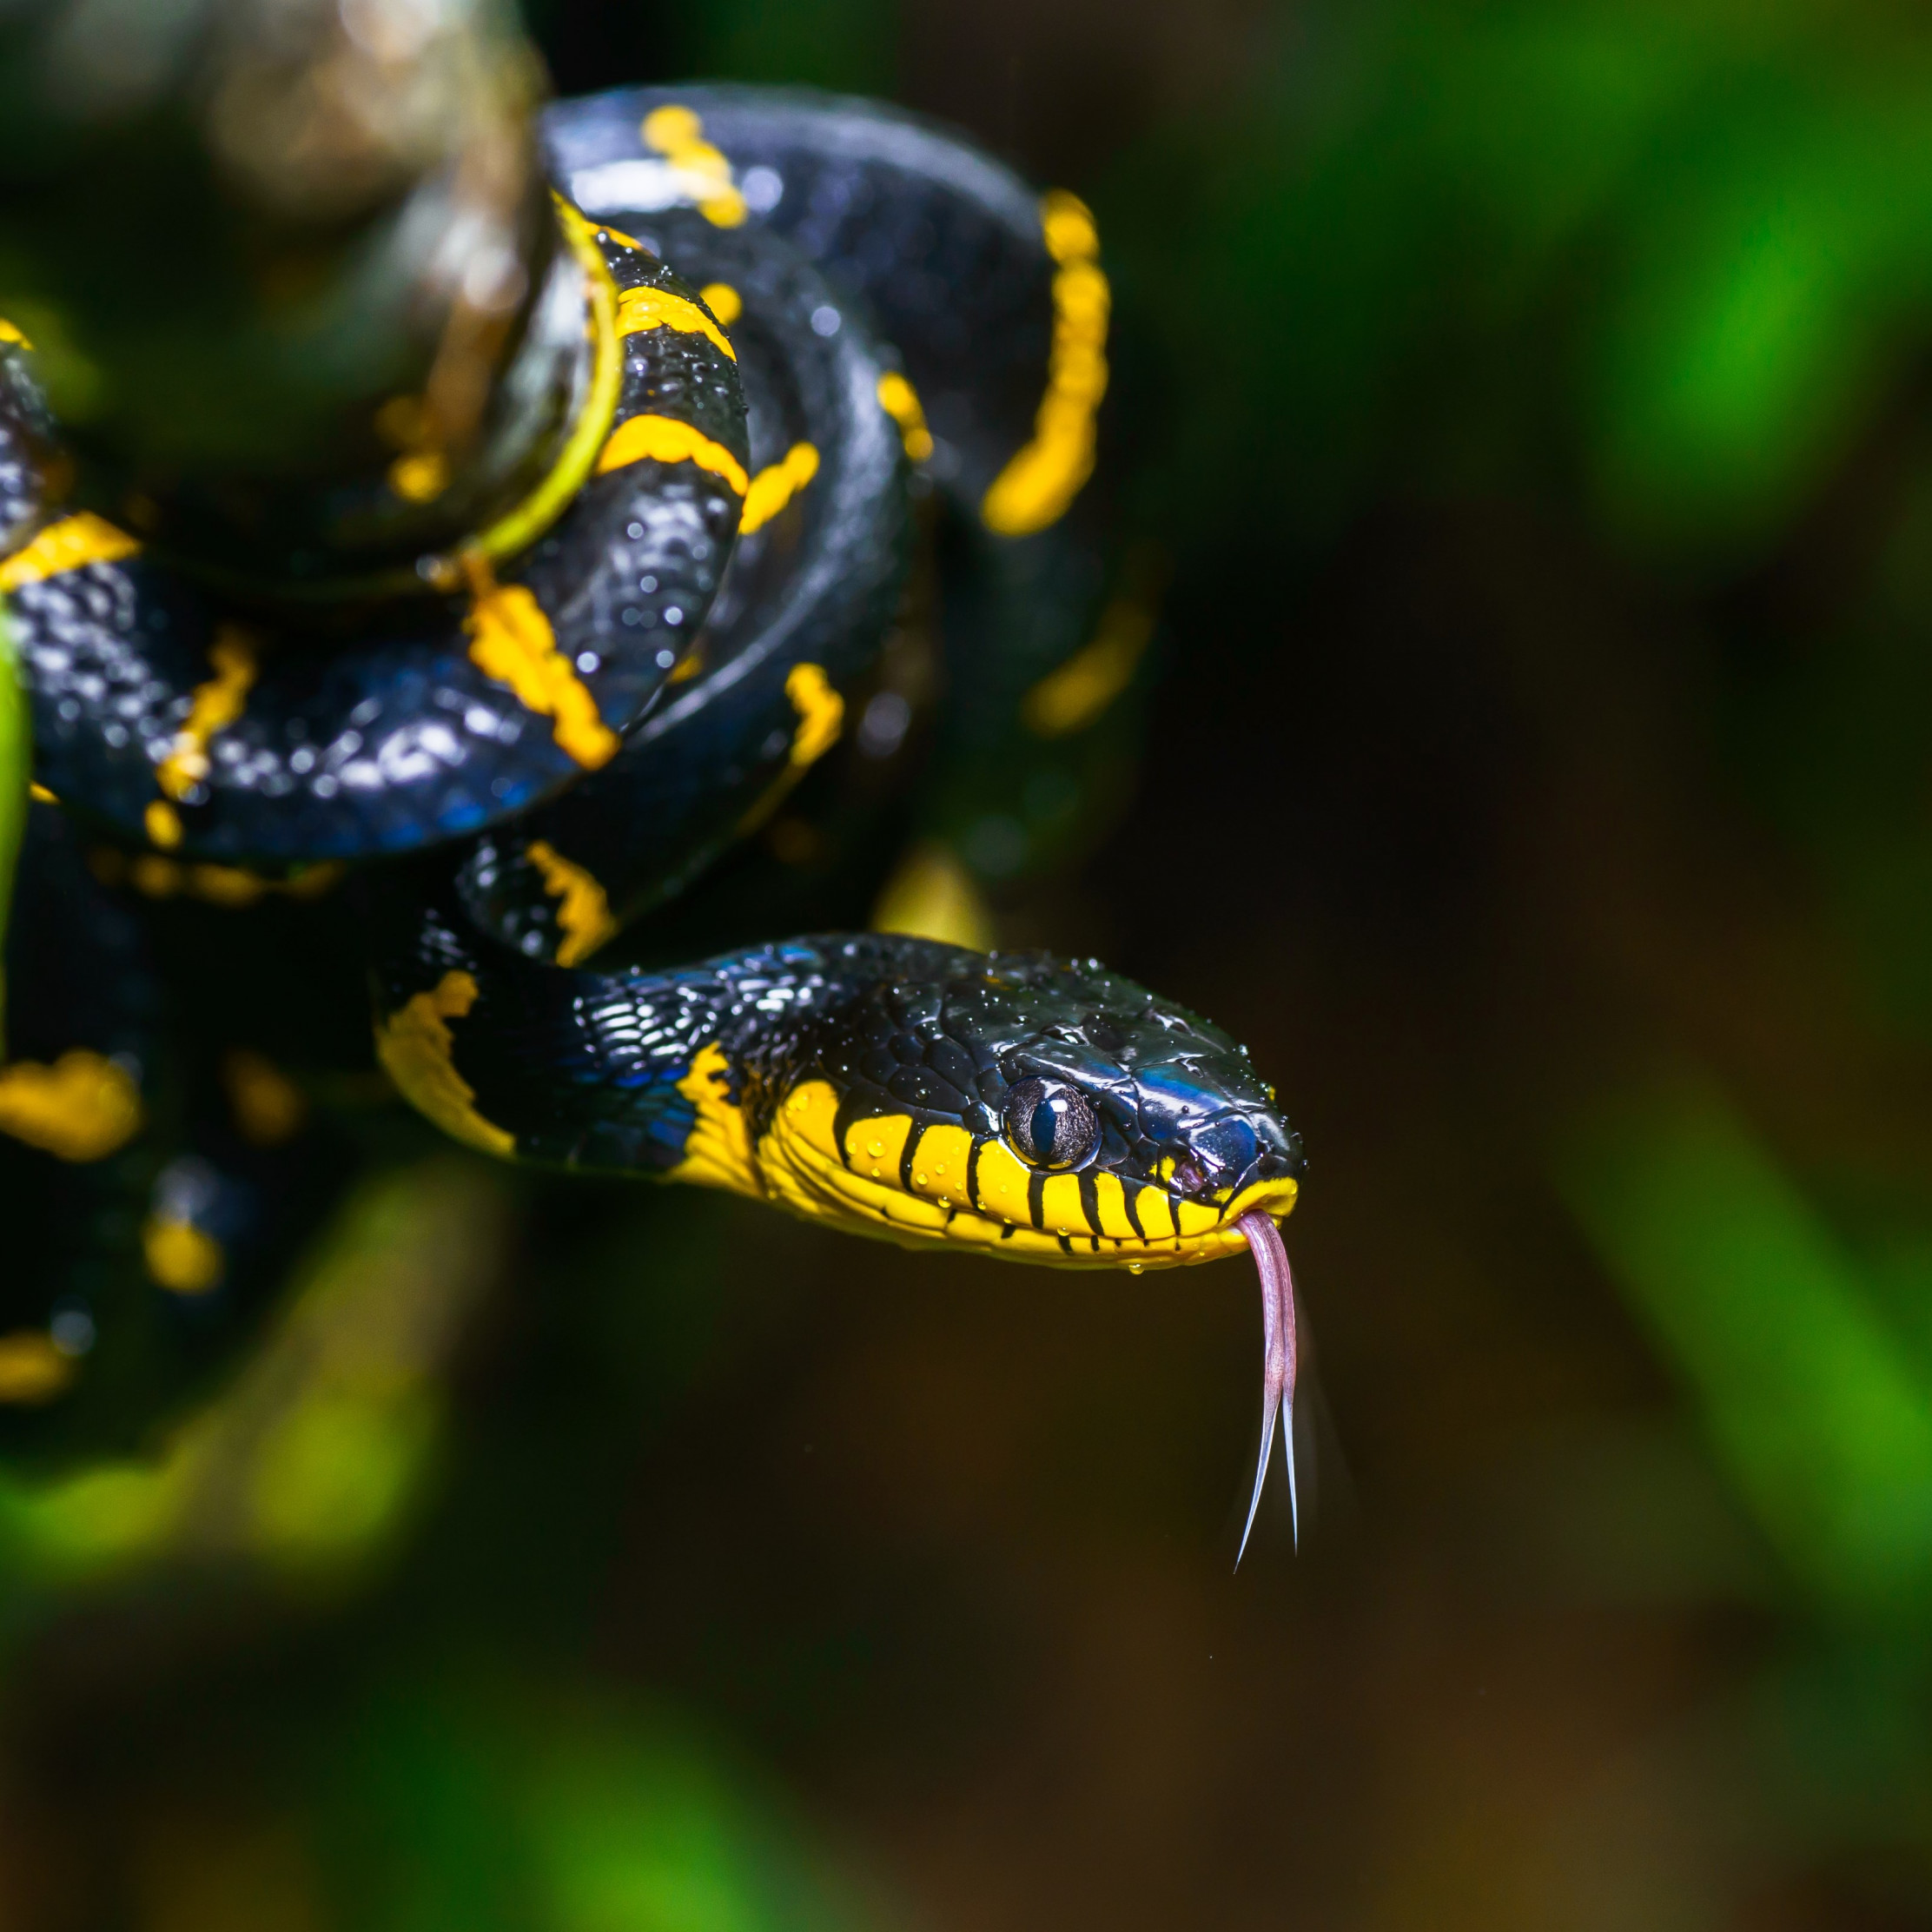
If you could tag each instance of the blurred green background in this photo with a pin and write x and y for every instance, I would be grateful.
(1536, 402)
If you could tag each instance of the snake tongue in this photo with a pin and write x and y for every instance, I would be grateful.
(1278, 1360)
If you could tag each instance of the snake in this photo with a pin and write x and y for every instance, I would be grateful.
(814, 348)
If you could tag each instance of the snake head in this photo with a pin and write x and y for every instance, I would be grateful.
(1151, 1093)
(1030, 1107)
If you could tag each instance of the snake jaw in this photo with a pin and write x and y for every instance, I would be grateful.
(1271, 1259)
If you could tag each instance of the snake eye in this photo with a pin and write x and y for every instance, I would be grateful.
(1050, 1125)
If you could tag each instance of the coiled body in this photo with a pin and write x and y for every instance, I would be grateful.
(819, 339)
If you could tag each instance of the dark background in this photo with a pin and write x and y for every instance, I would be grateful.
(1534, 402)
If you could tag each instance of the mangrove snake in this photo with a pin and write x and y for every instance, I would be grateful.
(816, 337)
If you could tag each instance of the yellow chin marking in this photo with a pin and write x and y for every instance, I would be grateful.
(1156, 1213)
(1002, 1180)
(416, 1051)
(9, 332)
(941, 1164)
(1061, 1211)
(584, 915)
(798, 1148)
(718, 1151)
(1195, 1217)
(1113, 1223)
(802, 1167)
(798, 1160)
(510, 641)
(82, 1108)
(873, 1148)
(638, 309)
(664, 439)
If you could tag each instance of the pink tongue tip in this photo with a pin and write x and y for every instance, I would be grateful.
(1278, 1360)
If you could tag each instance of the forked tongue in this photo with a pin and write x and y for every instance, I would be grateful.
(1278, 1360)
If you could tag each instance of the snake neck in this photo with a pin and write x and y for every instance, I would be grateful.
(674, 1074)
(866, 1082)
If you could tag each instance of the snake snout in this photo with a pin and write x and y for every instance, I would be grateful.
(1222, 1155)
(1235, 1153)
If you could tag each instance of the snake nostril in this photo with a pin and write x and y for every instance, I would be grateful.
(1190, 1175)
(1222, 1154)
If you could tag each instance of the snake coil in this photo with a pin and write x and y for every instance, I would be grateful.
(810, 339)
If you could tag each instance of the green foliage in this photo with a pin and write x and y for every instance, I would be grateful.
(307, 1464)
(844, 44)
(1666, 256)
(468, 1802)
(1819, 1410)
